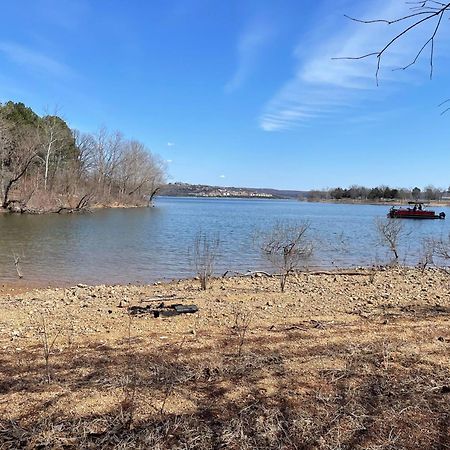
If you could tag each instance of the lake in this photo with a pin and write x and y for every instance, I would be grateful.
(143, 245)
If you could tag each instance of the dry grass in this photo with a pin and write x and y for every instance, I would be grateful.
(375, 382)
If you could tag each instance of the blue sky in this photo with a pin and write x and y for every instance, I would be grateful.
(242, 93)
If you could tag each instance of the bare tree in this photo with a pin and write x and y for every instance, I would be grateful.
(120, 168)
(85, 144)
(107, 156)
(18, 162)
(286, 246)
(158, 177)
(205, 252)
(422, 14)
(389, 233)
(140, 172)
(52, 140)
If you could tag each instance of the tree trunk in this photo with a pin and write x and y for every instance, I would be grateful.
(152, 195)
(6, 202)
(47, 160)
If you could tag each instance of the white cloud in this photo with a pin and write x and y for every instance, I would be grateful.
(170, 144)
(34, 60)
(321, 86)
(169, 161)
(221, 176)
(250, 44)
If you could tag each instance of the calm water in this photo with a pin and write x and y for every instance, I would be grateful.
(148, 244)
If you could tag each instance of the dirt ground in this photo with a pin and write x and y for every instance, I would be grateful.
(336, 362)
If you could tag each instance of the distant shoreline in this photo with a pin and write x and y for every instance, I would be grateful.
(382, 202)
(220, 197)
(305, 200)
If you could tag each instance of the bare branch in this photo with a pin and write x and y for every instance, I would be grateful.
(388, 22)
(286, 246)
(423, 13)
(443, 103)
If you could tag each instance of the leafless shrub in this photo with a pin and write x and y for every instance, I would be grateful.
(441, 248)
(426, 254)
(286, 246)
(390, 231)
(205, 252)
(241, 323)
(47, 346)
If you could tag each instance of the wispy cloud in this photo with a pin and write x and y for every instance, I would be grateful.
(170, 144)
(322, 86)
(169, 161)
(34, 60)
(249, 48)
(221, 176)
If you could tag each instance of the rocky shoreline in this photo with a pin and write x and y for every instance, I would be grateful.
(322, 294)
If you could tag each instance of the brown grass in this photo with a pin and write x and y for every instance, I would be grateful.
(380, 380)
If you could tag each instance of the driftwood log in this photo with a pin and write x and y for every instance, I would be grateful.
(317, 272)
(249, 273)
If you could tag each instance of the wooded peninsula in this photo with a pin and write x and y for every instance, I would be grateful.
(47, 167)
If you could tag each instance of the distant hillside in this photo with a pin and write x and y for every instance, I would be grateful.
(200, 190)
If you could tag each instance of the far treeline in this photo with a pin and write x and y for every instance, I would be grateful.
(380, 193)
(47, 167)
